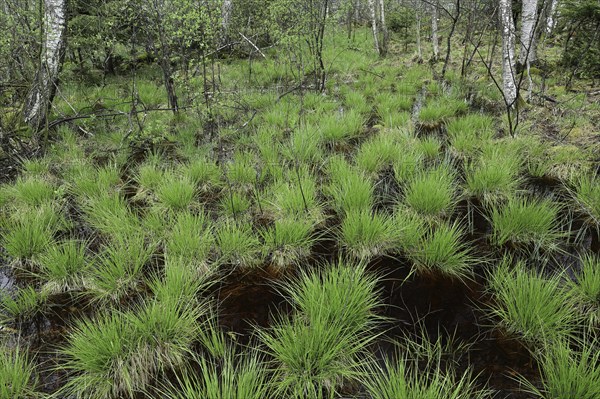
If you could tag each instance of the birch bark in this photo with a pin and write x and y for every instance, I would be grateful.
(434, 31)
(508, 53)
(383, 27)
(43, 89)
(527, 52)
(551, 18)
(373, 15)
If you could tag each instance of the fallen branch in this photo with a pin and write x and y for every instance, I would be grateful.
(253, 45)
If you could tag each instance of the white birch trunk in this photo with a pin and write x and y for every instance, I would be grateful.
(42, 92)
(383, 27)
(373, 15)
(527, 54)
(434, 31)
(418, 16)
(226, 9)
(552, 15)
(509, 85)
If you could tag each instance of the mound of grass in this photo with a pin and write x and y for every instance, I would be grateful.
(535, 309)
(18, 377)
(568, 372)
(204, 173)
(407, 162)
(88, 183)
(349, 189)
(110, 214)
(63, 267)
(29, 232)
(404, 379)
(586, 194)
(469, 133)
(289, 241)
(175, 193)
(337, 128)
(118, 270)
(237, 244)
(438, 111)
(236, 377)
(241, 171)
(365, 234)
(524, 221)
(119, 353)
(191, 238)
(376, 154)
(296, 196)
(431, 193)
(442, 251)
(494, 176)
(320, 347)
(234, 204)
(586, 288)
(33, 191)
(304, 145)
(22, 306)
(394, 109)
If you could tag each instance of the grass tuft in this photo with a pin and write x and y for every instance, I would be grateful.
(535, 309)
(18, 377)
(237, 244)
(526, 221)
(289, 241)
(443, 251)
(431, 193)
(365, 234)
(321, 346)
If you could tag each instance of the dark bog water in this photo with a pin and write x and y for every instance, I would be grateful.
(450, 309)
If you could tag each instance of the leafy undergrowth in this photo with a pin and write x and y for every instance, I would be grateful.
(303, 245)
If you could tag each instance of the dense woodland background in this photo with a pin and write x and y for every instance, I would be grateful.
(299, 199)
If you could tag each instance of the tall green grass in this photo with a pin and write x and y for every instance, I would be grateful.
(431, 193)
(568, 372)
(365, 234)
(320, 347)
(586, 288)
(533, 308)
(443, 251)
(18, 377)
(404, 379)
(236, 377)
(525, 220)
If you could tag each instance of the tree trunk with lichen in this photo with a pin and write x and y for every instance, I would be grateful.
(527, 53)
(373, 15)
(509, 86)
(434, 31)
(42, 91)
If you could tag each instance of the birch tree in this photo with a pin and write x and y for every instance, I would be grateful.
(509, 86)
(373, 16)
(53, 34)
(527, 53)
(551, 16)
(383, 43)
(434, 30)
(226, 10)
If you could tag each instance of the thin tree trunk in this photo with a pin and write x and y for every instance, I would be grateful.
(509, 86)
(373, 15)
(226, 10)
(551, 17)
(165, 58)
(418, 15)
(434, 31)
(528, 25)
(383, 49)
(40, 96)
